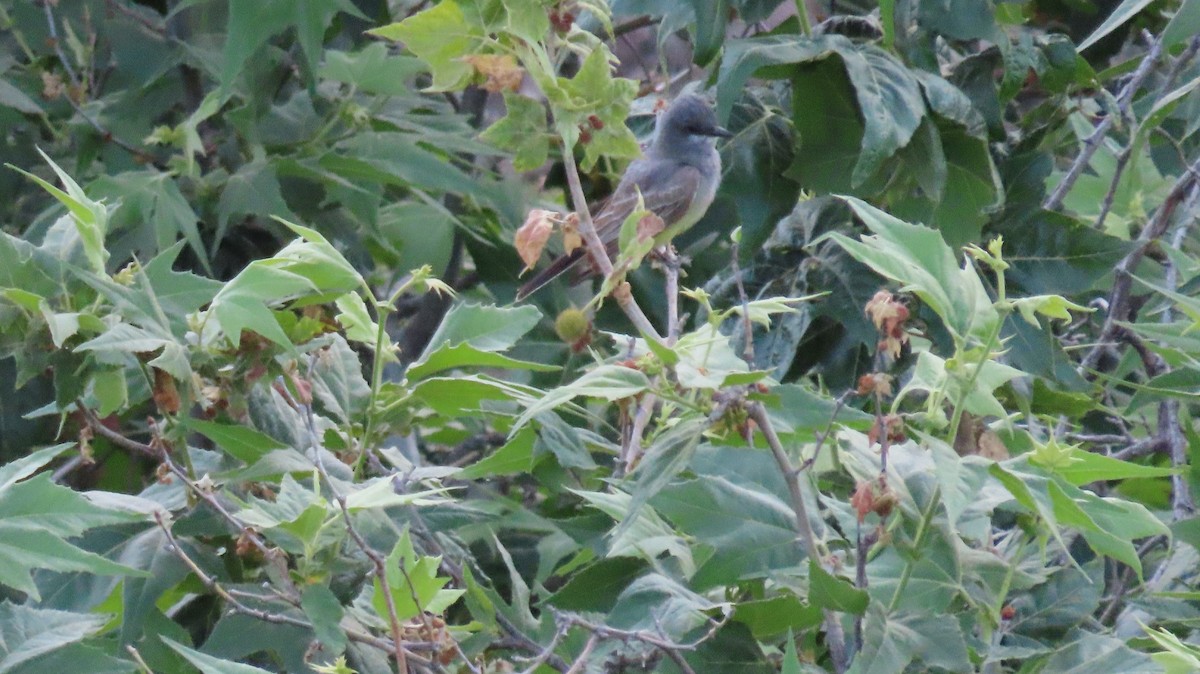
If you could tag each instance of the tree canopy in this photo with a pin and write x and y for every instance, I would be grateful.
(914, 395)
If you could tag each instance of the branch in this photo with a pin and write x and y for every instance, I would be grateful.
(1126, 152)
(1092, 142)
(378, 561)
(453, 569)
(598, 252)
(747, 325)
(52, 27)
(833, 628)
(158, 451)
(1169, 427)
(266, 616)
(1119, 298)
(660, 641)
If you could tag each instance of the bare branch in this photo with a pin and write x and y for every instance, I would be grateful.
(747, 325)
(1119, 298)
(1123, 157)
(1092, 142)
(833, 627)
(267, 616)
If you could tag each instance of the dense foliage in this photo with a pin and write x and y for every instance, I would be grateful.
(917, 397)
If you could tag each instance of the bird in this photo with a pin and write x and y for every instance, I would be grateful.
(677, 179)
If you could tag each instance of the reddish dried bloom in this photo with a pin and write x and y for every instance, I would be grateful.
(500, 71)
(863, 499)
(875, 383)
(166, 396)
(889, 316)
(531, 237)
(894, 426)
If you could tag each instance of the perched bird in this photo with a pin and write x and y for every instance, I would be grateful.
(677, 178)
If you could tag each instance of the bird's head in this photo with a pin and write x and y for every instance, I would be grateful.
(690, 121)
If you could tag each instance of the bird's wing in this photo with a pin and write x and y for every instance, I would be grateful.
(667, 188)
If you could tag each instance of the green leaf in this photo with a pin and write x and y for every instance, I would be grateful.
(487, 328)
(768, 618)
(1123, 13)
(440, 36)
(751, 530)
(151, 202)
(564, 442)
(252, 24)
(355, 319)
(337, 380)
(413, 589)
(973, 186)
(512, 458)
(36, 516)
(521, 131)
(597, 587)
(932, 375)
(372, 69)
(646, 535)
(918, 258)
(1081, 652)
(958, 19)
(245, 302)
(12, 97)
(298, 520)
(607, 382)
(595, 92)
(871, 105)
(892, 642)
(1183, 26)
(325, 612)
(27, 632)
(471, 334)
(381, 493)
(833, 593)
(465, 396)
(241, 442)
(1087, 467)
(19, 469)
(252, 190)
(209, 664)
(935, 571)
(90, 217)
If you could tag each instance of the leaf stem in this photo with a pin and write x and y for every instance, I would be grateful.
(918, 541)
(802, 15)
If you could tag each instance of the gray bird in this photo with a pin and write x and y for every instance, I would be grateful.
(677, 179)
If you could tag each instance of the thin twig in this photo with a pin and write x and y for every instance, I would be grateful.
(837, 407)
(581, 659)
(1126, 152)
(1092, 142)
(1118, 593)
(808, 538)
(631, 449)
(671, 264)
(76, 88)
(1169, 427)
(378, 561)
(1119, 298)
(747, 325)
(56, 43)
(231, 598)
(597, 250)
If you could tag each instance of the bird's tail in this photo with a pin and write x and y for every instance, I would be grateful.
(550, 273)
